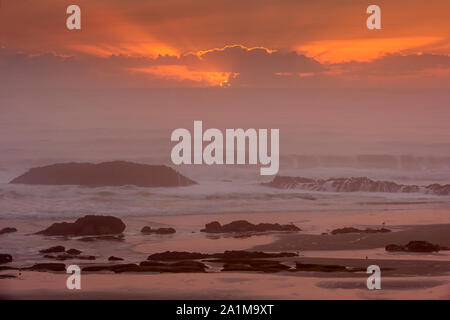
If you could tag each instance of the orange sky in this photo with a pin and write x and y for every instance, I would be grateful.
(330, 32)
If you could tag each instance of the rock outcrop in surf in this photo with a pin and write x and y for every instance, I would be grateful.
(245, 226)
(149, 230)
(416, 246)
(114, 173)
(8, 230)
(5, 258)
(358, 184)
(346, 230)
(88, 225)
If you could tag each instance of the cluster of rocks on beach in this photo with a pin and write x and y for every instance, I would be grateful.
(110, 227)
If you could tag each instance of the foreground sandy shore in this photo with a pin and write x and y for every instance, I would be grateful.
(400, 279)
(37, 285)
(404, 275)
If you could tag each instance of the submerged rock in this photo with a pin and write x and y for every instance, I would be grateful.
(416, 246)
(63, 257)
(148, 266)
(47, 267)
(323, 267)
(114, 268)
(113, 258)
(255, 265)
(245, 226)
(241, 254)
(354, 230)
(88, 225)
(119, 237)
(5, 258)
(54, 249)
(8, 230)
(73, 252)
(149, 230)
(176, 255)
(394, 247)
(114, 173)
(227, 255)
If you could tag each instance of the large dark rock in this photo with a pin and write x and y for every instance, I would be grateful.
(115, 173)
(355, 230)
(415, 246)
(8, 230)
(245, 226)
(5, 258)
(421, 246)
(354, 184)
(88, 225)
(149, 230)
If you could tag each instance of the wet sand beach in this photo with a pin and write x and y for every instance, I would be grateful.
(404, 275)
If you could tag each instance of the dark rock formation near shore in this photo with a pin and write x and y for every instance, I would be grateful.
(55, 249)
(73, 252)
(115, 173)
(358, 184)
(241, 254)
(113, 258)
(47, 267)
(88, 225)
(355, 230)
(227, 255)
(416, 246)
(5, 258)
(245, 226)
(8, 230)
(148, 266)
(176, 255)
(108, 267)
(312, 267)
(266, 266)
(108, 237)
(63, 257)
(149, 230)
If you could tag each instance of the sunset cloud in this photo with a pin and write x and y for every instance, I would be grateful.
(235, 66)
(335, 51)
(221, 44)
